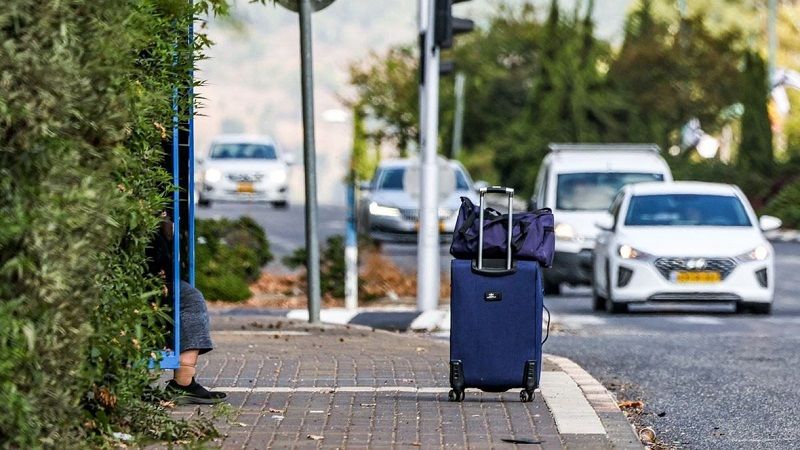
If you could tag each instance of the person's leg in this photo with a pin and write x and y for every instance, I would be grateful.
(195, 340)
(188, 364)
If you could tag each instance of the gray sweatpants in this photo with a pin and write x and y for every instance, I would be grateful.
(195, 327)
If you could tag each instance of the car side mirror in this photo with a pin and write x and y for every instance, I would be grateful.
(769, 223)
(480, 184)
(365, 185)
(288, 158)
(199, 161)
(606, 223)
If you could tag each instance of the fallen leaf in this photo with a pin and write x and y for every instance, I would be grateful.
(630, 404)
(167, 404)
(273, 410)
(368, 404)
(421, 349)
(647, 435)
(315, 437)
(316, 411)
(241, 424)
(276, 417)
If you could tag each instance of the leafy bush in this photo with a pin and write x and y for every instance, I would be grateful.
(230, 255)
(84, 90)
(332, 266)
(786, 205)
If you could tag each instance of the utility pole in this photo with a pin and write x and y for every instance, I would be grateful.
(458, 120)
(428, 253)
(309, 160)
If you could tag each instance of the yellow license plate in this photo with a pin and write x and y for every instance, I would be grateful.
(441, 226)
(245, 187)
(697, 277)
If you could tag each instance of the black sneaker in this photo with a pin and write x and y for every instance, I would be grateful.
(194, 394)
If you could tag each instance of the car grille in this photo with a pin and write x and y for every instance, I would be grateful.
(722, 265)
(412, 214)
(245, 177)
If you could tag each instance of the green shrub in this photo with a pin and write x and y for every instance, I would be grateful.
(229, 256)
(85, 86)
(786, 205)
(332, 265)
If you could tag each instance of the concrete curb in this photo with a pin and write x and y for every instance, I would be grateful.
(618, 429)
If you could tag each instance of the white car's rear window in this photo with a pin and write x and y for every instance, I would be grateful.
(594, 191)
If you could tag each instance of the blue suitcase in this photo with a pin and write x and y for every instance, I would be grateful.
(496, 322)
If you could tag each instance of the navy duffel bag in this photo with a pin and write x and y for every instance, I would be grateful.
(532, 236)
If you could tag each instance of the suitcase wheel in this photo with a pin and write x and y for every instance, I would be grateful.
(526, 396)
(455, 396)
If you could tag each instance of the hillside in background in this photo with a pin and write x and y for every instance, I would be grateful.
(253, 72)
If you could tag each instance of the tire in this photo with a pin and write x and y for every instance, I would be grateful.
(283, 204)
(598, 302)
(613, 307)
(761, 309)
(203, 202)
(526, 396)
(551, 288)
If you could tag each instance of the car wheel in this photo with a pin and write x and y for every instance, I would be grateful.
(283, 204)
(598, 302)
(761, 309)
(203, 202)
(552, 288)
(613, 307)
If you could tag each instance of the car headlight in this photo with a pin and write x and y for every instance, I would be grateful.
(625, 251)
(379, 210)
(564, 232)
(759, 253)
(212, 175)
(278, 177)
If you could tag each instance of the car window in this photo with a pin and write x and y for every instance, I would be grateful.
(686, 210)
(461, 181)
(392, 179)
(594, 191)
(243, 151)
(615, 205)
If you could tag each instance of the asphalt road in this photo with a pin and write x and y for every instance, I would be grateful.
(719, 380)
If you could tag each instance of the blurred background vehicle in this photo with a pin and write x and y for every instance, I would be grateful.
(244, 168)
(578, 182)
(683, 242)
(389, 205)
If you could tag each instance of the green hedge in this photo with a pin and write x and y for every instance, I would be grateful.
(786, 205)
(85, 87)
(230, 255)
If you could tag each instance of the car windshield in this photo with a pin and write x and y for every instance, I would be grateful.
(686, 210)
(243, 151)
(594, 191)
(392, 179)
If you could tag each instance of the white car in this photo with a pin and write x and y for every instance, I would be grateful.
(683, 242)
(244, 168)
(578, 182)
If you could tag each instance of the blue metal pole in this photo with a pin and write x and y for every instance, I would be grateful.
(351, 250)
(176, 222)
(190, 174)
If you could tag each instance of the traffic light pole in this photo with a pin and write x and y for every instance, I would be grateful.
(428, 253)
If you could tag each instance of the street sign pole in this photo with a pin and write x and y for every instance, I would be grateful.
(428, 253)
(309, 160)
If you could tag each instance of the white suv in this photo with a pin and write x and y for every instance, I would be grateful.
(244, 168)
(578, 182)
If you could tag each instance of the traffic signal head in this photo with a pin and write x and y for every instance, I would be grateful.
(447, 26)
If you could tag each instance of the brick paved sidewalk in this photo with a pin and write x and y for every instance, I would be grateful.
(290, 384)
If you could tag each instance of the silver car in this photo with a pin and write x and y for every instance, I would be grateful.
(389, 206)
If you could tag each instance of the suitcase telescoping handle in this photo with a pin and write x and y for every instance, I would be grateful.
(495, 190)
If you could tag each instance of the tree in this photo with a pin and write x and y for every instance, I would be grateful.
(755, 150)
